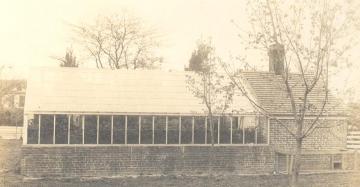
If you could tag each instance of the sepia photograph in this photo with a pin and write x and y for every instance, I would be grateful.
(180, 93)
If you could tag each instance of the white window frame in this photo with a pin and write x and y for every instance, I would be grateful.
(153, 131)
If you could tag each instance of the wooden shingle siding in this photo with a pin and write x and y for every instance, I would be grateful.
(353, 140)
(270, 92)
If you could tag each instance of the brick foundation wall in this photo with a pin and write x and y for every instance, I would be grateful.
(322, 139)
(318, 162)
(71, 161)
(352, 160)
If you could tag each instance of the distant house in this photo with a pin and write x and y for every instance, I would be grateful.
(89, 122)
(12, 100)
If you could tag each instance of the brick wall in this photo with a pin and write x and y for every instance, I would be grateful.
(331, 137)
(352, 160)
(141, 160)
(318, 162)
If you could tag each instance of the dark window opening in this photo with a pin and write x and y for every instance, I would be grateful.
(146, 130)
(199, 130)
(225, 130)
(215, 130)
(104, 129)
(33, 130)
(173, 130)
(261, 129)
(46, 129)
(249, 129)
(61, 129)
(337, 165)
(90, 129)
(160, 130)
(133, 129)
(237, 130)
(75, 129)
(119, 130)
(186, 130)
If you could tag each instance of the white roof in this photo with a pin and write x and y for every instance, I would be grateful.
(77, 90)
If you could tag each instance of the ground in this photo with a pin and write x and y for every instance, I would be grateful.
(10, 176)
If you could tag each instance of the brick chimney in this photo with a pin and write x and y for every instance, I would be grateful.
(276, 58)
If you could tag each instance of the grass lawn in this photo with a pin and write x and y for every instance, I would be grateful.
(10, 176)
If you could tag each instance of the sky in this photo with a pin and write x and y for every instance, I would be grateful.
(32, 32)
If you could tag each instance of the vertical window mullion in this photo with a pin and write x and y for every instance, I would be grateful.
(243, 130)
(126, 117)
(268, 130)
(166, 129)
(257, 121)
(218, 130)
(153, 128)
(69, 118)
(205, 130)
(139, 129)
(83, 128)
(179, 129)
(193, 130)
(231, 129)
(97, 129)
(39, 129)
(112, 129)
(54, 129)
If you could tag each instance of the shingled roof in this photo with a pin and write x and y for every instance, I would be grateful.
(270, 92)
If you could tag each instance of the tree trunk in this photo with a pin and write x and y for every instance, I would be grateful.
(212, 142)
(296, 164)
(211, 155)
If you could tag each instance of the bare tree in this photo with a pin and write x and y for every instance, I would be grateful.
(309, 37)
(119, 43)
(207, 84)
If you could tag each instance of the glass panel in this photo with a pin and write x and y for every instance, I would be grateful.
(173, 130)
(133, 129)
(90, 129)
(146, 129)
(186, 130)
(262, 130)
(33, 130)
(249, 129)
(46, 129)
(119, 130)
(199, 130)
(160, 130)
(61, 129)
(237, 130)
(75, 129)
(21, 101)
(215, 132)
(225, 130)
(104, 129)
